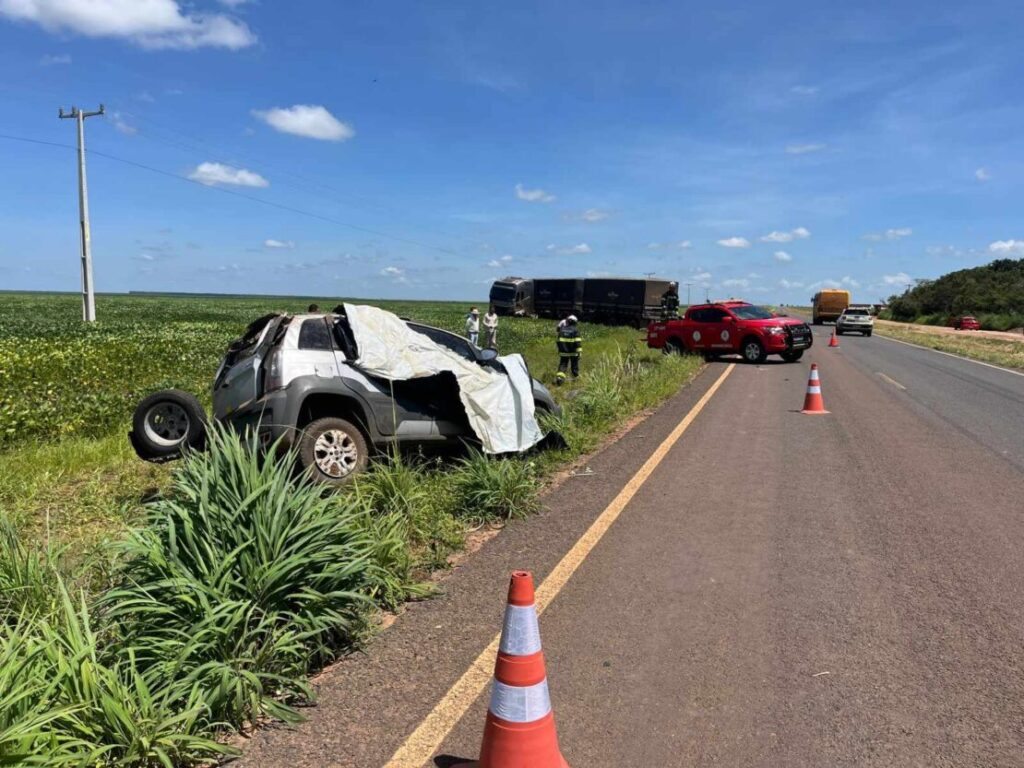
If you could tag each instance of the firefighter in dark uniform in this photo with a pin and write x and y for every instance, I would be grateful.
(570, 344)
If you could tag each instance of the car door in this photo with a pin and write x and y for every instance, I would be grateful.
(720, 328)
(698, 333)
(238, 380)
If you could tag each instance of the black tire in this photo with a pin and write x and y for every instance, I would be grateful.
(868, 334)
(753, 351)
(166, 424)
(838, 332)
(672, 347)
(709, 357)
(333, 451)
(793, 355)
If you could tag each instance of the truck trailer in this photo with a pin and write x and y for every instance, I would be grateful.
(629, 301)
(611, 300)
(558, 297)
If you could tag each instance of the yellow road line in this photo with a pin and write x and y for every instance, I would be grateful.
(424, 742)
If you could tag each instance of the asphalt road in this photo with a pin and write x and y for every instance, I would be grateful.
(784, 590)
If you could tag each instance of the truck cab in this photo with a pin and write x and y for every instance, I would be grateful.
(512, 296)
(732, 327)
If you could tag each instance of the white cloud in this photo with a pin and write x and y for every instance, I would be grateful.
(849, 282)
(271, 243)
(533, 195)
(1007, 247)
(212, 174)
(803, 149)
(900, 278)
(736, 283)
(233, 3)
(593, 215)
(310, 120)
(50, 60)
(679, 245)
(121, 125)
(734, 242)
(500, 262)
(701, 277)
(782, 256)
(147, 23)
(805, 90)
(575, 250)
(897, 233)
(982, 174)
(788, 284)
(800, 233)
(395, 273)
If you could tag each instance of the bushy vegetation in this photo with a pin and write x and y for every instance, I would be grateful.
(993, 293)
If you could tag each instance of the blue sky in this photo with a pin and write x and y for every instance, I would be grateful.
(414, 150)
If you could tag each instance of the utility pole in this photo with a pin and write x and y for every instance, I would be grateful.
(88, 293)
(688, 293)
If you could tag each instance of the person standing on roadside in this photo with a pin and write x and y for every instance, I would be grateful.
(570, 345)
(491, 329)
(473, 324)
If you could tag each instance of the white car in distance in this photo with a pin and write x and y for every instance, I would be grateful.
(857, 320)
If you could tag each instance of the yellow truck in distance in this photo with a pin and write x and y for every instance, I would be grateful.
(829, 305)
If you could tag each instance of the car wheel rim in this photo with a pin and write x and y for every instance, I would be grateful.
(335, 453)
(753, 352)
(166, 424)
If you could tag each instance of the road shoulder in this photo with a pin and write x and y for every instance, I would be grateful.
(370, 702)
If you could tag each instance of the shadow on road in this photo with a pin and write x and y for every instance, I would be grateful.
(448, 761)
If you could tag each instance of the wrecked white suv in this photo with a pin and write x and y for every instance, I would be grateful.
(336, 385)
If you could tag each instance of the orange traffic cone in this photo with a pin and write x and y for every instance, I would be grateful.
(833, 342)
(813, 402)
(520, 728)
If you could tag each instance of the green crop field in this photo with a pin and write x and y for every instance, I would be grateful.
(67, 389)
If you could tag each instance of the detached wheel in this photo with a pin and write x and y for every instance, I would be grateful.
(166, 424)
(753, 351)
(793, 355)
(333, 450)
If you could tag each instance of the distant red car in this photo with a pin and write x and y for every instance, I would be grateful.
(965, 323)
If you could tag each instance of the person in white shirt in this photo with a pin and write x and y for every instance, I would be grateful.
(491, 329)
(473, 324)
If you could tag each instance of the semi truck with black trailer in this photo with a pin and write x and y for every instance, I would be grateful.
(611, 300)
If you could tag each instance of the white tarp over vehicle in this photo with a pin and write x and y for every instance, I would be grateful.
(500, 408)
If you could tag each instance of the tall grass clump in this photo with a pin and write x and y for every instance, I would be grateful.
(489, 488)
(245, 577)
(28, 577)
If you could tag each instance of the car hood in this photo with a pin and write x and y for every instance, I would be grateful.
(770, 321)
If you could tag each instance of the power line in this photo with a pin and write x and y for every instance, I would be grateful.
(234, 193)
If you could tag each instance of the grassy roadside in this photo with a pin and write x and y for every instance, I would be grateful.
(1007, 353)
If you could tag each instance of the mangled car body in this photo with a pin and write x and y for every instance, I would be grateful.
(337, 386)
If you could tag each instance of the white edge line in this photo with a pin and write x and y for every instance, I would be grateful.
(950, 354)
(891, 380)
